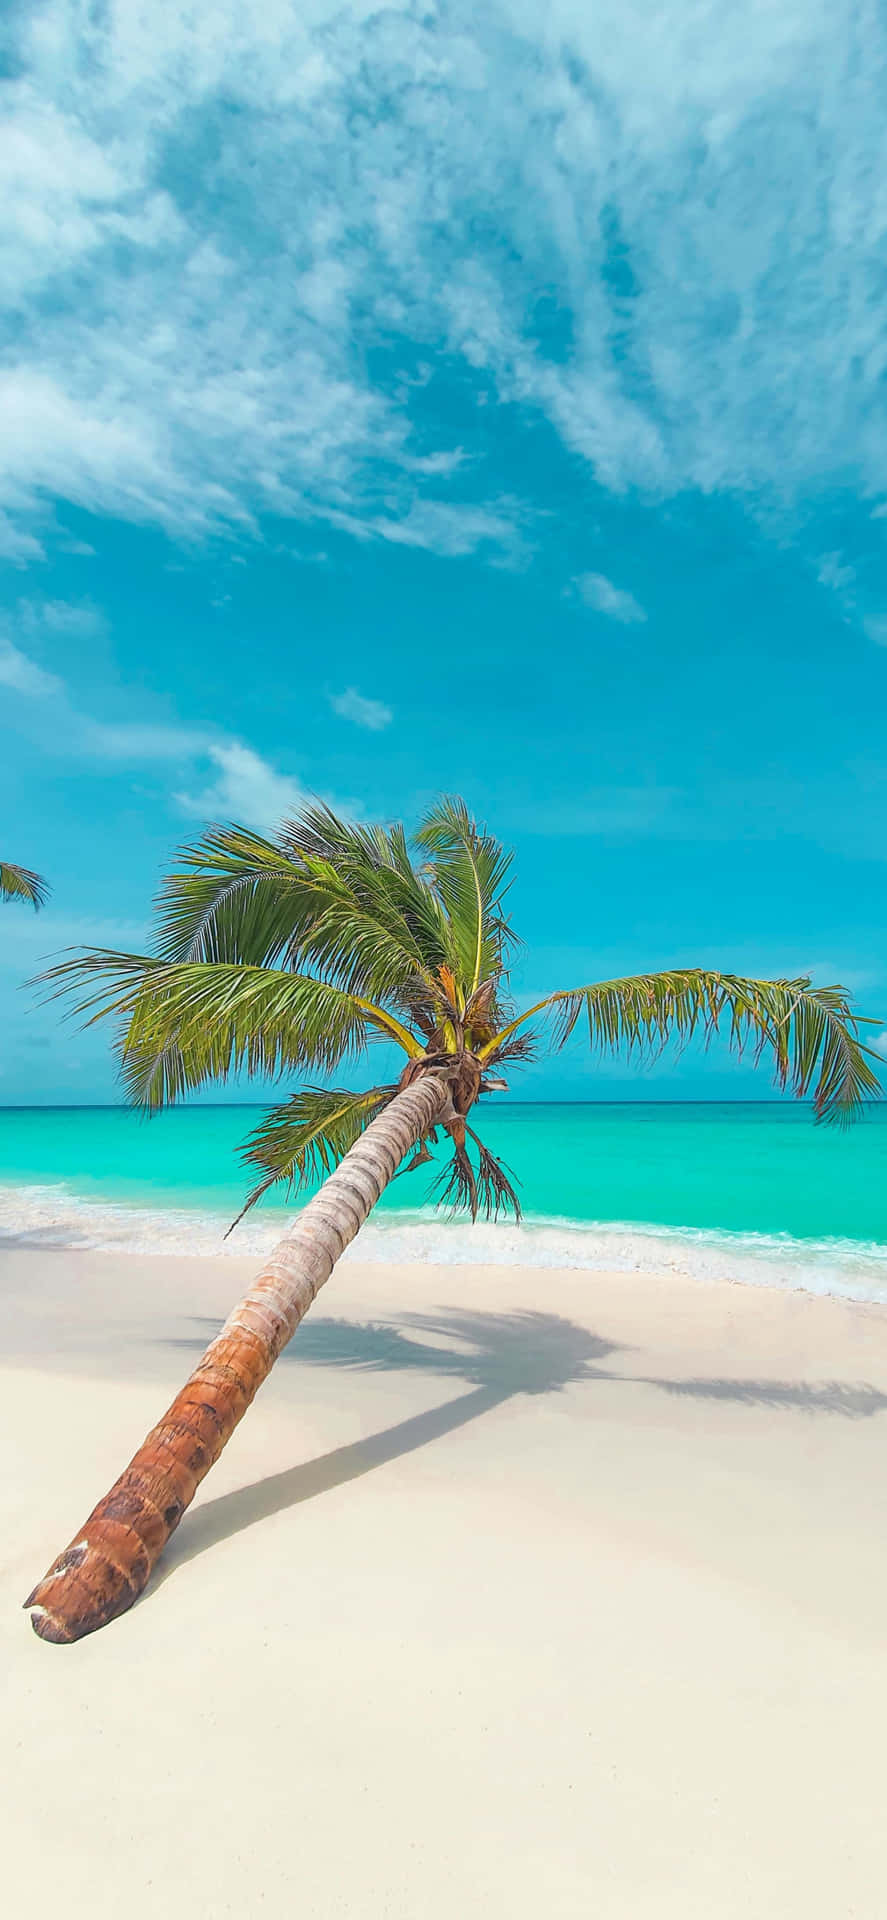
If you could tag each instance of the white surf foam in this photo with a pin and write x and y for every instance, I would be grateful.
(52, 1216)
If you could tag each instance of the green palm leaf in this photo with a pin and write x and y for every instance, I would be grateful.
(187, 1023)
(234, 897)
(372, 867)
(368, 924)
(19, 883)
(469, 872)
(809, 1033)
(308, 1135)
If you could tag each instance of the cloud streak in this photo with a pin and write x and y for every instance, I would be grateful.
(373, 715)
(246, 789)
(22, 675)
(599, 593)
(192, 344)
(242, 786)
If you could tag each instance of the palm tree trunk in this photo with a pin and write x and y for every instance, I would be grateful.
(110, 1560)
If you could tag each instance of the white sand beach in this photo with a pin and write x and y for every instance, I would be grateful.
(516, 1593)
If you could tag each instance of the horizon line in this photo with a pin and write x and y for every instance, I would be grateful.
(241, 1106)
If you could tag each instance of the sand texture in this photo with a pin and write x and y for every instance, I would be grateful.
(517, 1593)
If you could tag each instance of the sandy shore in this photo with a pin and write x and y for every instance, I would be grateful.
(516, 1593)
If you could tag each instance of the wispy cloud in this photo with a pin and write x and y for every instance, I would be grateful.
(76, 618)
(851, 596)
(451, 529)
(443, 526)
(351, 705)
(32, 619)
(245, 789)
(127, 742)
(616, 602)
(22, 675)
(834, 572)
(231, 780)
(191, 346)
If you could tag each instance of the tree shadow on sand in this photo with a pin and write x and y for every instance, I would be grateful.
(498, 1356)
(854, 1401)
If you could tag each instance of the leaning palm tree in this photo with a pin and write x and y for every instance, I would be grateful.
(19, 883)
(293, 955)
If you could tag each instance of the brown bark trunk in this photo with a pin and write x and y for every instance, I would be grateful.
(110, 1560)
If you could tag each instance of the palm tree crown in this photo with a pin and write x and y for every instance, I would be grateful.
(19, 883)
(290, 955)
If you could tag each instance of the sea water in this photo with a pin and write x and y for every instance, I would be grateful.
(754, 1193)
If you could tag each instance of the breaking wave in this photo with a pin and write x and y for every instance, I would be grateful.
(51, 1216)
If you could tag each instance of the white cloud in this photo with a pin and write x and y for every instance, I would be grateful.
(436, 463)
(833, 572)
(33, 618)
(443, 526)
(600, 593)
(452, 529)
(841, 579)
(23, 675)
(193, 345)
(246, 789)
(242, 786)
(351, 705)
(64, 730)
(131, 741)
(76, 618)
(880, 1045)
(17, 545)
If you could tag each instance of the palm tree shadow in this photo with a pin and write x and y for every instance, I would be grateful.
(852, 1400)
(499, 1355)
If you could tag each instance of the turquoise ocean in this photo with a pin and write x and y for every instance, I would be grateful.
(755, 1193)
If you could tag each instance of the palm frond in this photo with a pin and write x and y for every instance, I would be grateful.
(485, 1189)
(521, 1048)
(367, 871)
(237, 897)
(19, 883)
(810, 1033)
(234, 897)
(188, 1023)
(469, 870)
(307, 1136)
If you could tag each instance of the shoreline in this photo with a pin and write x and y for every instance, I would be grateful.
(52, 1218)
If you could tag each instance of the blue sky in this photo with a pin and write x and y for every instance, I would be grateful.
(487, 398)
